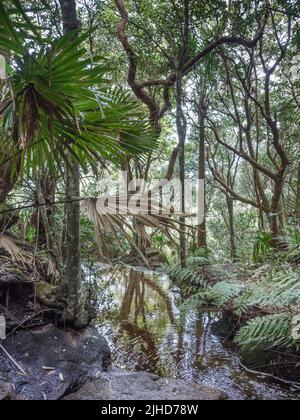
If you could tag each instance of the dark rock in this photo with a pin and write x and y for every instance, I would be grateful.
(225, 327)
(98, 390)
(121, 385)
(10, 278)
(57, 362)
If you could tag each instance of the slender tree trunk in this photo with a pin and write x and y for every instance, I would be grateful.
(298, 198)
(202, 237)
(275, 210)
(281, 216)
(233, 248)
(181, 124)
(181, 130)
(45, 193)
(72, 289)
(69, 14)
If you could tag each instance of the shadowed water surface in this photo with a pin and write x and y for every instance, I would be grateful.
(140, 317)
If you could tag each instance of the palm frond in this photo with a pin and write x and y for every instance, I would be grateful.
(57, 102)
(117, 220)
(12, 249)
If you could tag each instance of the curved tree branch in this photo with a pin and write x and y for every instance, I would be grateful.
(139, 87)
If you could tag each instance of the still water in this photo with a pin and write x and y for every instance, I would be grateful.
(139, 314)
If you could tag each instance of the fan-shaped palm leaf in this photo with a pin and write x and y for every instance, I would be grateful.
(56, 103)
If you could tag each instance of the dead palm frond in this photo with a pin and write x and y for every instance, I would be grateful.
(113, 216)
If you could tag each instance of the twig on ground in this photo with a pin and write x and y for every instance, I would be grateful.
(295, 385)
(14, 362)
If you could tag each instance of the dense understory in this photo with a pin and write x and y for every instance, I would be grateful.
(156, 95)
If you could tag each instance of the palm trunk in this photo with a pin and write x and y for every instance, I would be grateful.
(73, 257)
(72, 287)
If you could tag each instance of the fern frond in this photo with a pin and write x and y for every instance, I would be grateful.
(185, 276)
(263, 332)
(223, 293)
(278, 289)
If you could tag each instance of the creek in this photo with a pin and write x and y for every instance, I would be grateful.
(139, 315)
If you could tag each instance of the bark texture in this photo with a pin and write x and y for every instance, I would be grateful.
(202, 237)
(233, 248)
(71, 288)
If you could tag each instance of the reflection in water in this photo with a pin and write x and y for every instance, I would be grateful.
(144, 295)
(141, 320)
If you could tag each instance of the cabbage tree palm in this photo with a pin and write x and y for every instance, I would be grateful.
(57, 108)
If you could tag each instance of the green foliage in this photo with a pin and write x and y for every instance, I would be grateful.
(262, 332)
(293, 252)
(57, 102)
(278, 288)
(270, 289)
(190, 277)
(223, 294)
(262, 246)
(185, 276)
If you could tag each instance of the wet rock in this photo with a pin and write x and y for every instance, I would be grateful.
(225, 327)
(56, 362)
(121, 385)
(98, 390)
